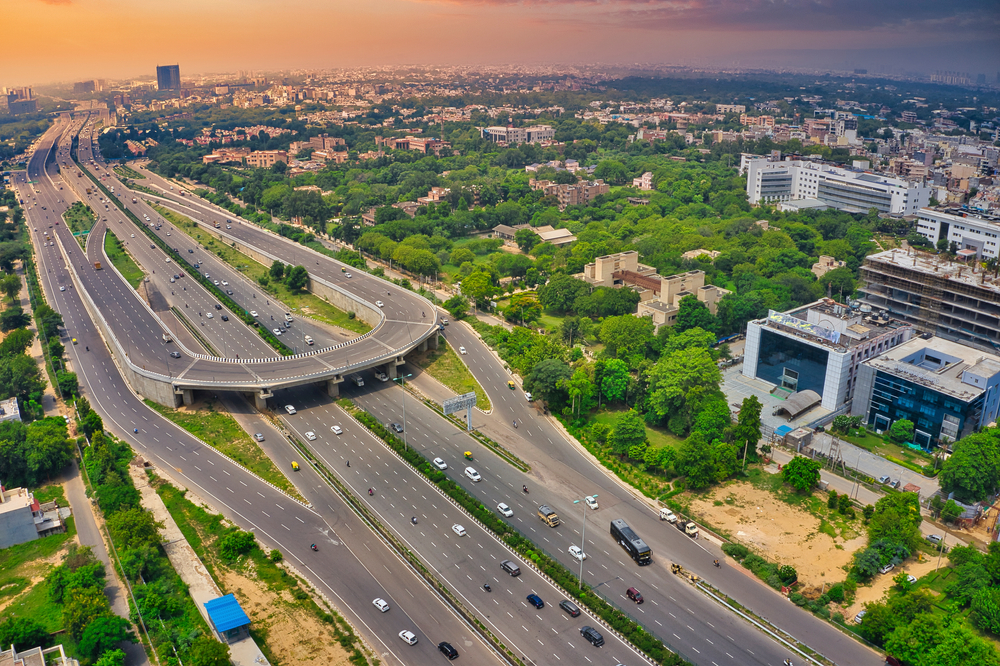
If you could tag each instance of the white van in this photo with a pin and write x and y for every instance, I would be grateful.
(473, 474)
(289, 409)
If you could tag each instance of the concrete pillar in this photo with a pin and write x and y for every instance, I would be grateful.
(333, 388)
(187, 395)
(390, 369)
(423, 346)
(260, 401)
(432, 341)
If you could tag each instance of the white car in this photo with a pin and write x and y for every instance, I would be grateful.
(527, 396)
(461, 350)
(379, 303)
(225, 284)
(253, 313)
(62, 288)
(259, 437)
(408, 636)
(591, 502)
(473, 474)
(577, 553)
(310, 435)
(337, 430)
(348, 274)
(276, 331)
(458, 529)
(289, 409)
(381, 604)
(440, 464)
(210, 315)
(505, 510)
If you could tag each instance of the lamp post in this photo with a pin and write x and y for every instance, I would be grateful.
(583, 535)
(402, 382)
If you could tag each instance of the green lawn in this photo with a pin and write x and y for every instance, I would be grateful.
(128, 172)
(221, 431)
(80, 219)
(875, 444)
(303, 302)
(657, 436)
(444, 365)
(122, 261)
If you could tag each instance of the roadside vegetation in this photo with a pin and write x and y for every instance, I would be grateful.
(445, 366)
(122, 260)
(80, 219)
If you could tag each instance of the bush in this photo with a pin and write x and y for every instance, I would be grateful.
(737, 551)
(351, 314)
(836, 593)
(787, 574)
(831, 501)
(797, 599)
(236, 543)
(275, 555)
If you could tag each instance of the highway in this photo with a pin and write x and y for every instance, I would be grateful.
(352, 566)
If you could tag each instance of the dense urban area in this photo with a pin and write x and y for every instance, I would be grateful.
(419, 336)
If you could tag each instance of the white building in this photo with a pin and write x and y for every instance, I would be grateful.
(644, 182)
(968, 232)
(513, 135)
(850, 191)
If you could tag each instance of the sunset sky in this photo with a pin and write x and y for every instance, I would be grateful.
(64, 40)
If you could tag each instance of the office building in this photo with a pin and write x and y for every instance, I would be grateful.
(168, 77)
(514, 135)
(952, 300)
(819, 347)
(730, 108)
(265, 159)
(851, 191)
(978, 233)
(946, 389)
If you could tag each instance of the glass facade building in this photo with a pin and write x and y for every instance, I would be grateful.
(790, 363)
(934, 414)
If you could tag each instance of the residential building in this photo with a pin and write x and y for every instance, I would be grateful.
(265, 159)
(946, 389)
(661, 296)
(9, 411)
(23, 518)
(694, 254)
(644, 182)
(819, 347)
(825, 265)
(36, 656)
(325, 142)
(436, 195)
(168, 77)
(844, 189)
(730, 108)
(968, 231)
(579, 194)
(952, 300)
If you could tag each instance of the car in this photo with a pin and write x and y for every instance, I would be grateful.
(447, 650)
(591, 502)
(229, 292)
(634, 595)
(288, 318)
(225, 284)
(225, 317)
(473, 474)
(380, 604)
(259, 436)
(207, 276)
(440, 464)
(348, 275)
(668, 515)
(570, 607)
(190, 251)
(253, 313)
(408, 636)
(62, 288)
(174, 354)
(505, 510)
(887, 568)
(218, 307)
(276, 331)
(933, 538)
(535, 600)
(458, 529)
(210, 315)
(398, 427)
(593, 636)
(310, 435)
(177, 277)
(511, 568)
(289, 409)
(577, 553)
(911, 579)
(883, 479)
(133, 235)
(527, 396)
(461, 350)
(379, 303)
(860, 616)
(215, 282)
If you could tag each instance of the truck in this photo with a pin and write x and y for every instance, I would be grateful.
(688, 527)
(357, 380)
(548, 516)
(97, 265)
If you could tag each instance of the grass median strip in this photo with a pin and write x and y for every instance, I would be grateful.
(122, 261)
(80, 219)
(221, 431)
(445, 366)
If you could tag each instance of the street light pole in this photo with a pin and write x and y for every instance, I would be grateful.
(583, 537)
(402, 382)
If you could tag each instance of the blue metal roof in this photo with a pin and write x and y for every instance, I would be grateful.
(782, 430)
(226, 614)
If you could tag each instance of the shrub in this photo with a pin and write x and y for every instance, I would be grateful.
(797, 599)
(351, 314)
(843, 503)
(275, 555)
(836, 593)
(831, 501)
(787, 574)
(236, 543)
(737, 551)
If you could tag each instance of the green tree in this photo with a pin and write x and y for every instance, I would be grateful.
(546, 377)
(48, 450)
(691, 338)
(614, 380)
(612, 172)
(692, 313)
(103, 634)
(277, 270)
(13, 317)
(457, 306)
(134, 528)
(897, 519)
(206, 651)
(92, 423)
(579, 387)
(901, 431)
(111, 658)
(23, 633)
(747, 432)
(801, 473)
(713, 420)
(69, 385)
(479, 287)
(82, 607)
(629, 431)
(951, 511)
(524, 307)
(986, 609)
(696, 462)
(236, 543)
(526, 239)
(972, 472)
(297, 278)
(939, 640)
(16, 342)
(460, 255)
(561, 292)
(627, 337)
(680, 384)
(10, 285)
(49, 321)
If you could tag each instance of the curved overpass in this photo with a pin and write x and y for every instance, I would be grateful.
(405, 322)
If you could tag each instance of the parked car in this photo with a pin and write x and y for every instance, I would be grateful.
(860, 616)
(886, 569)
(883, 479)
(934, 538)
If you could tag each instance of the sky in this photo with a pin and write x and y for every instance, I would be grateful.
(67, 40)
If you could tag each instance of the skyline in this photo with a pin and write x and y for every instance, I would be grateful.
(64, 40)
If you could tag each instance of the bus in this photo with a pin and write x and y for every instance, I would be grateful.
(631, 542)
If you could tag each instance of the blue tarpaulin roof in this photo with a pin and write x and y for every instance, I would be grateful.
(226, 614)
(782, 430)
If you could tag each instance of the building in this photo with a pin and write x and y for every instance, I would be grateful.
(825, 265)
(36, 656)
(980, 233)
(819, 347)
(228, 619)
(951, 300)
(168, 77)
(265, 159)
(515, 135)
(23, 518)
(661, 296)
(602, 273)
(325, 142)
(579, 194)
(946, 389)
(9, 411)
(730, 108)
(84, 86)
(546, 233)
(644, 182)
(843, 189)
(694, 254)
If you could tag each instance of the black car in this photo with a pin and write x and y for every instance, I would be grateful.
(397, 427)
(190, 251)
(535, 600)
(570, 607)
(447, 650)
(225, 317)
(593, 636)
(510, 568)
(174, 354)
(197, 265)
(218, 307)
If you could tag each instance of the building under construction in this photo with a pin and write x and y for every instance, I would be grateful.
(953, 300)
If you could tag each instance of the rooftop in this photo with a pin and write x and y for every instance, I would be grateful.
(226, 613)
(932, 264)
(832, 324)
(943, 365)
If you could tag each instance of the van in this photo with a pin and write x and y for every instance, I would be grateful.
(288, 318)
(634, 595)
(309, 340)
(473, 474)
(357, 380)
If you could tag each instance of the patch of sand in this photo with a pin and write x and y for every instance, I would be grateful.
(779, 532)
(880, 585)
(293, 633)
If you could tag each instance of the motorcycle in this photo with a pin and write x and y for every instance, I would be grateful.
(371, 492)
(413, 520)
(314, 547)
(487, 587)
(525, 489)
(717, 564)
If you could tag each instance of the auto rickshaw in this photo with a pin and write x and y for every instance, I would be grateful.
(511, 385)
(468, 455)
(295, 466)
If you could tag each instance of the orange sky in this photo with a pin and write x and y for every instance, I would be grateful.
(64, 40)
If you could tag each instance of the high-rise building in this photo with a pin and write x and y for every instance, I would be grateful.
(168, 77)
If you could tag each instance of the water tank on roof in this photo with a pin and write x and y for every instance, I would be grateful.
(865, 307)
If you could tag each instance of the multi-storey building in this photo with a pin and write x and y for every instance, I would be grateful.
(952, 300)
(946, 389)
(851, 191)
(265, 159)
(979, 233)
(168, 77)
(644, 182)
(513, 135)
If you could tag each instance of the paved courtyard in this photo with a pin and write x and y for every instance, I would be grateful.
(737, 387)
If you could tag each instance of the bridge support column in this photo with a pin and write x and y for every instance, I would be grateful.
(432, 341)
(333, 387)
(390, 369)
(423, 346)
(187, 395)
(260, 399)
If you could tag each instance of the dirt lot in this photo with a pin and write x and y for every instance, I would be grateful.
(782, 533)
(881, 583)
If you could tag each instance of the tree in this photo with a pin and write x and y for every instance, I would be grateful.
(48, 450)
(692, 313)
(546, 377)
(570, 330)
(985, 607)
(297, 278)
(82, 607)
(612, 172)
(111, 658)
(13, 317)
(629, 431)
(579, 387)
(951, 511)
(680, 384)
(69, 385)
(20, 376)
(627, 337)
(49, 321)
(460, 255)
(748, 427)
(23, 633)
(526, 239)
(801, 473)
(277, 270)
(690, 339)
(939, 640)
(134, 528)
(92, 423)
(561, 292)
(972, 472)
(16, 342)
(897, 519)
(479, 287)
(103, 634)
(457, 306)
(10, 285)
(524, 306)
(236, 543)
(713, 420)
(614, 380)
(206, 651)
(696, 462)
(901, 431)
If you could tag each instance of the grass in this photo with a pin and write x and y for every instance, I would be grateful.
(444, 365)
(122, 261)
(658, 437)
(302, 302)
(128, 172)
(221, 431)
(876, 444)
(80, 219)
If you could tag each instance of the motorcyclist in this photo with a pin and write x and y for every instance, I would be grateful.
(487, 587)
(371, 491)
(313, 546)
(413, 520)
(524, 488)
